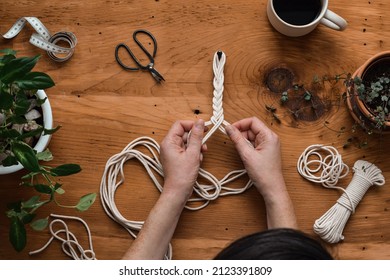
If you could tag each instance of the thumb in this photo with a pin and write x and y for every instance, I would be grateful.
(196, 137)
(240, 142)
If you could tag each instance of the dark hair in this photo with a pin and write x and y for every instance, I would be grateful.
(275, 244)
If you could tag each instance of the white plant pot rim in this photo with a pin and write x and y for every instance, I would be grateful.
(43, 141)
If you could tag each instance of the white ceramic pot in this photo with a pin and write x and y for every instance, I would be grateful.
(43, 141)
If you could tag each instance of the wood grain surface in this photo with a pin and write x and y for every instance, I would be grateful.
(102, 107)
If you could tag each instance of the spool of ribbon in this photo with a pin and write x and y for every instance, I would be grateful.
(44, 40)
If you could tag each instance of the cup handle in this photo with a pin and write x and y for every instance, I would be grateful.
(334, 21)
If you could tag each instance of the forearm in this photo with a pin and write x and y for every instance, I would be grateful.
(280, 212)
(156, 233)
(279, 207)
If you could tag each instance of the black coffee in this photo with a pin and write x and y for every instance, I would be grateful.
(297, 12)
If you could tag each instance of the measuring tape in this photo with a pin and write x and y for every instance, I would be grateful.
(44, 40)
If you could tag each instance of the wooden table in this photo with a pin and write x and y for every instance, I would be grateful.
(102, 107)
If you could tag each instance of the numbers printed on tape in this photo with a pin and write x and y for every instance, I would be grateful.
(44, 40)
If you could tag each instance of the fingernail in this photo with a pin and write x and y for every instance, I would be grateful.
(199, 124)
(229, 130)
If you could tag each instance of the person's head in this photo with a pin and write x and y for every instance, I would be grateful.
(275, 244)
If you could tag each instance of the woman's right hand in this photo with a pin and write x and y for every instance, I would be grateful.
(259, 149)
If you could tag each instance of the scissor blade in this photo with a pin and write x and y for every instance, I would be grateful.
(157, 76)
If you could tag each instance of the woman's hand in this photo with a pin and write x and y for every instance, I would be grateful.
(181, 155)
(259, 150)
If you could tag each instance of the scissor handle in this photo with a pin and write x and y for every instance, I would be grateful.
(122, 45)
(150, 57)
(150, 35)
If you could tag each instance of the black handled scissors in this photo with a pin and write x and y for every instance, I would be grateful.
(149, 67)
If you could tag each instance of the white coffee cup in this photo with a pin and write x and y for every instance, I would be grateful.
(287, 27)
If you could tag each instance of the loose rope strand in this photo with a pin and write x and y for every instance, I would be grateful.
(70, 245)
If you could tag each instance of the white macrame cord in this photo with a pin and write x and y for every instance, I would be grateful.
(69, 243)
(113, 175)
(331, 168)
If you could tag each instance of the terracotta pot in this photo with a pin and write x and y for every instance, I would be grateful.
(361, 112)
(43, 141)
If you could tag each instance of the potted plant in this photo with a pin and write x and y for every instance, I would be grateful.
(368, 94)
(25, 130)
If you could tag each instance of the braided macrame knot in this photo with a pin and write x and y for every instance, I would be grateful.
(331, 225)
(217, 119)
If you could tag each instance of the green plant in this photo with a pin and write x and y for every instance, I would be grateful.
(376, 95)
(18, 98)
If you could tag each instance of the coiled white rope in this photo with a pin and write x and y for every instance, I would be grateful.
(331, 168)
(113, 175)
(70, 245)
(322, 164)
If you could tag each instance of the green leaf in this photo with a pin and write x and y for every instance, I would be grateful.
(65, 170)
(7, 57)
(46, 155)
(9, 133)
(284, 97)
(357, 80)
(43, 188)
(51, 131)
(58, 189)
(8, 52)
(31, 133)
(41, 101)
(40, 224)
(86, 201)
(307, 96)
(6, 100)
(9, 161)
(17, 68)
(12, 213)
(16, 119)
(27, 218)
(26, 156)
(35, 80)
(17, 234)
(21, 106)
(33, 203)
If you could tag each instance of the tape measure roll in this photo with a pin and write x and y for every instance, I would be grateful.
(44, 40)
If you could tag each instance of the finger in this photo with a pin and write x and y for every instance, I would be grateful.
(195, 139)
(175, 134)
(178, 133)
(251, 124)
(240, 142)
(187, 125)
(185, 137)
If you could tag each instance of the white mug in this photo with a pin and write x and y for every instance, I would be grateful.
(278, 12)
